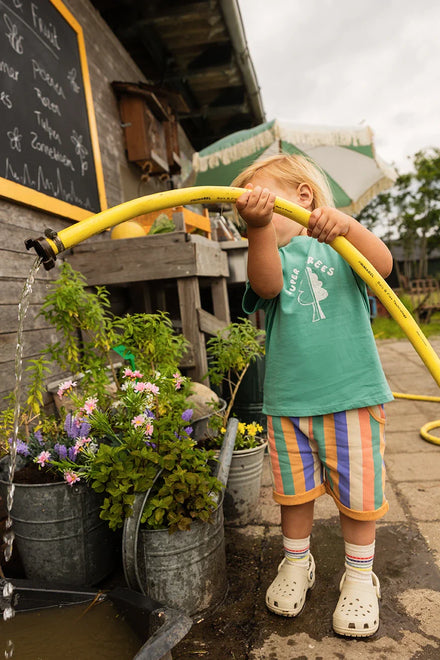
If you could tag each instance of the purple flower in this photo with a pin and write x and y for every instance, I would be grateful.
(76, 429)
(22, 447)
(72, 454)
(188, 429)
(187, 414)
(151, 444)
(61, 451)
(39, 437)
(84, 429)
(149, 413)
(71, 426)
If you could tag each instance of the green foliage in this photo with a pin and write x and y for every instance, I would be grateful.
(86, 326)
(411, 209)
(162, 225)
(142, 438)
(231, 352)
(388, 328)
(152, 340)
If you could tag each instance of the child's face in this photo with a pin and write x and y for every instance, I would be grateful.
(302, 195)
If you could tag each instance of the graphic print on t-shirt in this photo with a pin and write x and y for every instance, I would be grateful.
(311, 292)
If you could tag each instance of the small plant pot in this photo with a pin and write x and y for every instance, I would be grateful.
(243, 487)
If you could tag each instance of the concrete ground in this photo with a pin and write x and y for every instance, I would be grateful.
(407, 554)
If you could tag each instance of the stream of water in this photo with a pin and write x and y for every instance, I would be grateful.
(8, 537)
(46, 634)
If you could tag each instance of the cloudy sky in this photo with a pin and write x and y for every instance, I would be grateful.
(343, 62)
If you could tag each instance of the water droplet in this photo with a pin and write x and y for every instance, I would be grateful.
(8, 589)
(8, 613)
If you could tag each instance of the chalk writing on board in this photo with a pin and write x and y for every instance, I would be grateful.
(45, 133)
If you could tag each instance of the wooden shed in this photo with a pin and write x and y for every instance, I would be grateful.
(184, 67)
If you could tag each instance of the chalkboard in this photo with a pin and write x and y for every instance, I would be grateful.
(49, 152)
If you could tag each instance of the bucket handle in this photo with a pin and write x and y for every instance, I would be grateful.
(225, 456)
(130, 532)
(130, 535)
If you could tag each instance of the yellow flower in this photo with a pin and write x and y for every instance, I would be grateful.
(241, 428)
(252, 430)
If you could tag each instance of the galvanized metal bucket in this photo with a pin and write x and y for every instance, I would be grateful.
(60, 537)
(244, 483)
(185, 570)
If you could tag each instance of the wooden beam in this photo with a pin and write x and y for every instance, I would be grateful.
(189, 302)
(220, 299)
(209, 323)
(162, 256)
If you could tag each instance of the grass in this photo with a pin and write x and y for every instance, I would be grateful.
(387, 328)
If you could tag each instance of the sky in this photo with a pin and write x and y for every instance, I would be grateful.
(347, 62)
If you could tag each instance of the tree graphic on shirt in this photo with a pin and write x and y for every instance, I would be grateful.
(312, 293)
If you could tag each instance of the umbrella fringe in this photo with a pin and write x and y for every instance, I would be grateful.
(360, 203)
(308, 136)
(234, 152)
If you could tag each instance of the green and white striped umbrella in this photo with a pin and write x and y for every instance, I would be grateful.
(346, 155)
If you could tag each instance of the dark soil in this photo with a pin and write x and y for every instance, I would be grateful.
(32, 474)
(241, 624)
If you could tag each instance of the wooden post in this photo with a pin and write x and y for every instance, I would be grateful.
(220, 300)
(189, 303)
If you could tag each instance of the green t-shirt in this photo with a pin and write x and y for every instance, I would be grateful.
(321, 356)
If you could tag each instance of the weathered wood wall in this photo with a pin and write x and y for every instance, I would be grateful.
(107, 61)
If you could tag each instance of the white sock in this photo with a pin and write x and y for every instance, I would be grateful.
(359, 562)
(297, 551)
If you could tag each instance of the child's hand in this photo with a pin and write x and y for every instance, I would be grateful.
(326, 223)
(256, 206)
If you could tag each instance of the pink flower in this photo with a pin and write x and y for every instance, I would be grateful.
(149, 429)
(71, 478)
(138, 420)
(90, 405)
(66, 387)
(43, 458)
(128, 373)
(178, 380)
(154, 389)
(80, 443)
(146, 387)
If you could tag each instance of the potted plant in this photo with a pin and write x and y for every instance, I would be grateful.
(133, 432)
(231, 352)
(53, 516)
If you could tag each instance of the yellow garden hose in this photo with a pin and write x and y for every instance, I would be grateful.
(53, 243)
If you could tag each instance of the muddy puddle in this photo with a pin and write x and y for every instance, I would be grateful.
(70, 632)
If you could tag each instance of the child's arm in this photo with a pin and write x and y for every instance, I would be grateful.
(264, 264)
(326, 223)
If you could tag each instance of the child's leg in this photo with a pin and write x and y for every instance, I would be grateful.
(357, 611)
(297, 520)
(296, 476)
(353, 459)
(296, 573)
(360, 532)
(359, 537)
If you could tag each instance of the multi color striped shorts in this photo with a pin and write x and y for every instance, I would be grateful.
(340, 453)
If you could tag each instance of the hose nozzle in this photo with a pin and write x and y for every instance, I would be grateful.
(46, 248)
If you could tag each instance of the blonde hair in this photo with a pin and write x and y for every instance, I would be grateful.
(291, 169)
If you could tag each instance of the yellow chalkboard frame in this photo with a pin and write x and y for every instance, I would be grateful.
(29, 197)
